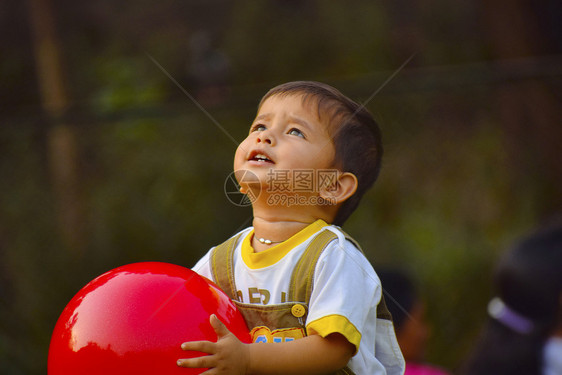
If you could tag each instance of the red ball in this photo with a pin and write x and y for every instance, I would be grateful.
(133, 319)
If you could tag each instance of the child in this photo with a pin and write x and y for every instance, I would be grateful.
(311, 299)
(524, 332)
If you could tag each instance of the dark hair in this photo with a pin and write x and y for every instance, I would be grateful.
(400, 294)
(529, 282)
(356, 135)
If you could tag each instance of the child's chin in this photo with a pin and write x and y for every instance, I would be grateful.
(246, 177)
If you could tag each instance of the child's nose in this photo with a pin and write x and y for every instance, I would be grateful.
(266, 137)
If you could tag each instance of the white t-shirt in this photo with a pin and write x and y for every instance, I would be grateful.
(344, 298)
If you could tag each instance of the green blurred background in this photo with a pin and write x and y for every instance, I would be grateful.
(106, 160)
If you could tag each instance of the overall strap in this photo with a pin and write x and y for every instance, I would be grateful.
(382, 309)
(300, 287)
(222, 267)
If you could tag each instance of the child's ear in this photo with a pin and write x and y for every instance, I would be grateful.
(343, 188)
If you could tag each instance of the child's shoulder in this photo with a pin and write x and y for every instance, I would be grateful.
(346, 250)
(345, 241)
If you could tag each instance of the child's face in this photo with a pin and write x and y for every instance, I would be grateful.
(285, 136)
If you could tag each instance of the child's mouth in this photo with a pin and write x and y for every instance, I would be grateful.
(260, 158)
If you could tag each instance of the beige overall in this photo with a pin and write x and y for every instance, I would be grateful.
(285, 321)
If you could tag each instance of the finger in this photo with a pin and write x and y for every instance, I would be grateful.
(218, 326)
(206, 361)
(200, 346)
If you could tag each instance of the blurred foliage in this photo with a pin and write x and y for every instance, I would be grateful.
(152, 165)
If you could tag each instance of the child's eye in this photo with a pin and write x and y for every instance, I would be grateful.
(296, 132)
(257, 128)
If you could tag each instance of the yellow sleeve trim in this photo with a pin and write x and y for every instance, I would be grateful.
(336, 324)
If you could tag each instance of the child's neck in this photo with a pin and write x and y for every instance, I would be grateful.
(278, 223)
(275, 230)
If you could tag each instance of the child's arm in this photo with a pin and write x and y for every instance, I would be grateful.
(310, 355)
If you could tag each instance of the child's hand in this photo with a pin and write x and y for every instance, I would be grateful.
(227, 356)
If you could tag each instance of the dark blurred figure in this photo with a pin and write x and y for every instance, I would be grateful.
(524, 332)
(408, 314)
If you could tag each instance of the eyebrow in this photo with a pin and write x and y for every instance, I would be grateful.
(262, 117)
(299, 121)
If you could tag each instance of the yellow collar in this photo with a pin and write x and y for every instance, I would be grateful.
(275, 253)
